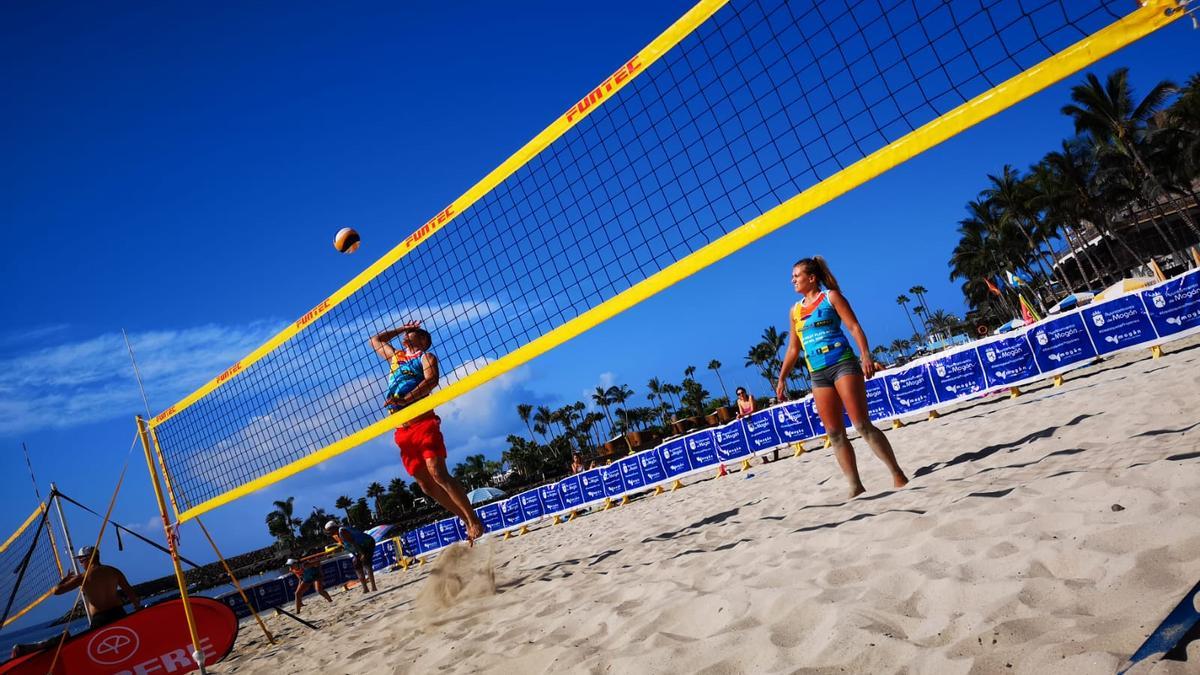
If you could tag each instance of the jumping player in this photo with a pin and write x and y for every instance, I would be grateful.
(838, 378)
(413, 376)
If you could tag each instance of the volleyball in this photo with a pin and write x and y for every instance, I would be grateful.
(346, 240)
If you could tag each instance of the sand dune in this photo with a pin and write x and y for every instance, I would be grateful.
(1046, 534)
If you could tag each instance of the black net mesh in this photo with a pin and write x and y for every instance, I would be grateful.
(760, 102)
(28, 568)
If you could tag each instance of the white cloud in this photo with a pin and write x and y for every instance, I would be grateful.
(91, 380)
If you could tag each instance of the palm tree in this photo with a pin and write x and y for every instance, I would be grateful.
(903, 301)
(673, 391)
(544, 418)
(897, 347)
(879, 353)
(619, 395)
(375, 491)
(654, 386)
(344, 503)
(525, 412)
(600, 398)
(1010, 193)
(1108, 114)
(715, 366)
(942, 321)
(285, 510)
(920, 312)
(401, 495)
(920, 292)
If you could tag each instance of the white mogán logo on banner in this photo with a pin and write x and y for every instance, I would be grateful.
(110, 646)
(1158, 300)
(990, 355)
(1098, 319)
(941, 370)
(895, 385)
(1041, 338)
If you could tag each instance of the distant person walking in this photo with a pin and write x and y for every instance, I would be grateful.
(838, 377)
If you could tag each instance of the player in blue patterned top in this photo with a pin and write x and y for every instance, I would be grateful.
(838, 378)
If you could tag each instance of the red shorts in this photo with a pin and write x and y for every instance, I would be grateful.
(419, 440)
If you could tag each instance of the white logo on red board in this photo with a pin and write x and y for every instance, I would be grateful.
(110, 646)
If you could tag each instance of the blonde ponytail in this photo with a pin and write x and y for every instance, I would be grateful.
(817, 267)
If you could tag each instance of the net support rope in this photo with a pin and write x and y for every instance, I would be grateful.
(740, 118)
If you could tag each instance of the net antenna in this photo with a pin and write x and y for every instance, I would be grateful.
(741, 117)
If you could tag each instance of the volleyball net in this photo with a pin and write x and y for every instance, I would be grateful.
(29, 567)
(739, 118)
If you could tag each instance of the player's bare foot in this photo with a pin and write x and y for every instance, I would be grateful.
(899, 480)
(856, 490)
(474, 530)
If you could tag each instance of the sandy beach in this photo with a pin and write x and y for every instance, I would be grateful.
(1044, 534)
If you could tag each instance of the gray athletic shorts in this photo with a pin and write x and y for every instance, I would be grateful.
(825, 377)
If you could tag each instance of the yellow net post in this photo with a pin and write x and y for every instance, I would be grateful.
(197, 654)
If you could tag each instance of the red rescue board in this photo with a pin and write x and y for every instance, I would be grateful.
(153, 640)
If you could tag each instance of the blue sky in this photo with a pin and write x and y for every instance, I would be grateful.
(179, 171)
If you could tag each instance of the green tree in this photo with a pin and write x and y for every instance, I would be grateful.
(715, 366)
(375, 493)
(344, 503)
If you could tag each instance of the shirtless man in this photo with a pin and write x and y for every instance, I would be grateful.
(414, 374)
(102, 593)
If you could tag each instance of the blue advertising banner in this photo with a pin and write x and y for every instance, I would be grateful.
(957, 375)
(492, 517)
(428, 537)
(571, 491)
(380, 558)
(1118, 324)
(346, 567)
(447, 532)
(593, 486)
(1061, 342)
(331, 574)
(631, 473)
(652, 468)
(910, 390)
(731, 441)
(878, 405)
(1007, 361)
(760, 432)
(290, 584)
(411, 543)
(701, 449)
(551, 499)
(674, 457)
(234, 602)
(271, 594)
(1175, 306)
(610, 475)
(511, 510)
(791, 422)
(531, 505)
(814, 418)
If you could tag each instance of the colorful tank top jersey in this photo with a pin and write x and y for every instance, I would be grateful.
(821, 336)
(407, 373)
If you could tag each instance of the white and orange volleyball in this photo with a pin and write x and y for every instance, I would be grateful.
(346, 240)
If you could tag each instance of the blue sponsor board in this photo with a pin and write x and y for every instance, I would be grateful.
(760, 431)
(956, 375)
(571, 491)
(610, 476)
(1175, 305)
(1061, 342)
(1118, 324)
(331, 574)
(814, 418)
(652, 468)
(910, 390)
(701, 450)
(346, 567)
(511, 510)
(290, 584)
(731, 441)
(384, 555)
(234, 602)
(428, 537)
(551, 499)
(411, 543)
(531, 505)
(447, 531)
(674, 457)
(631, 473)
(878, 405)
(1007, 361)
(791, 422)
(592, 485)
(491, 516)
(270, 594)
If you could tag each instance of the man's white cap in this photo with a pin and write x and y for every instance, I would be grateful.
(85, 551)
(291, 562)
(331, 525)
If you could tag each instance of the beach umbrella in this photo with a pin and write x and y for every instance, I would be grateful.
(1122, 287)
(484, 494)
(1011, 325)
(1072, 301)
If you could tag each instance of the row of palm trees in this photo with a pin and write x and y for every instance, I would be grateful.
(378, 505)
(1131, 161)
